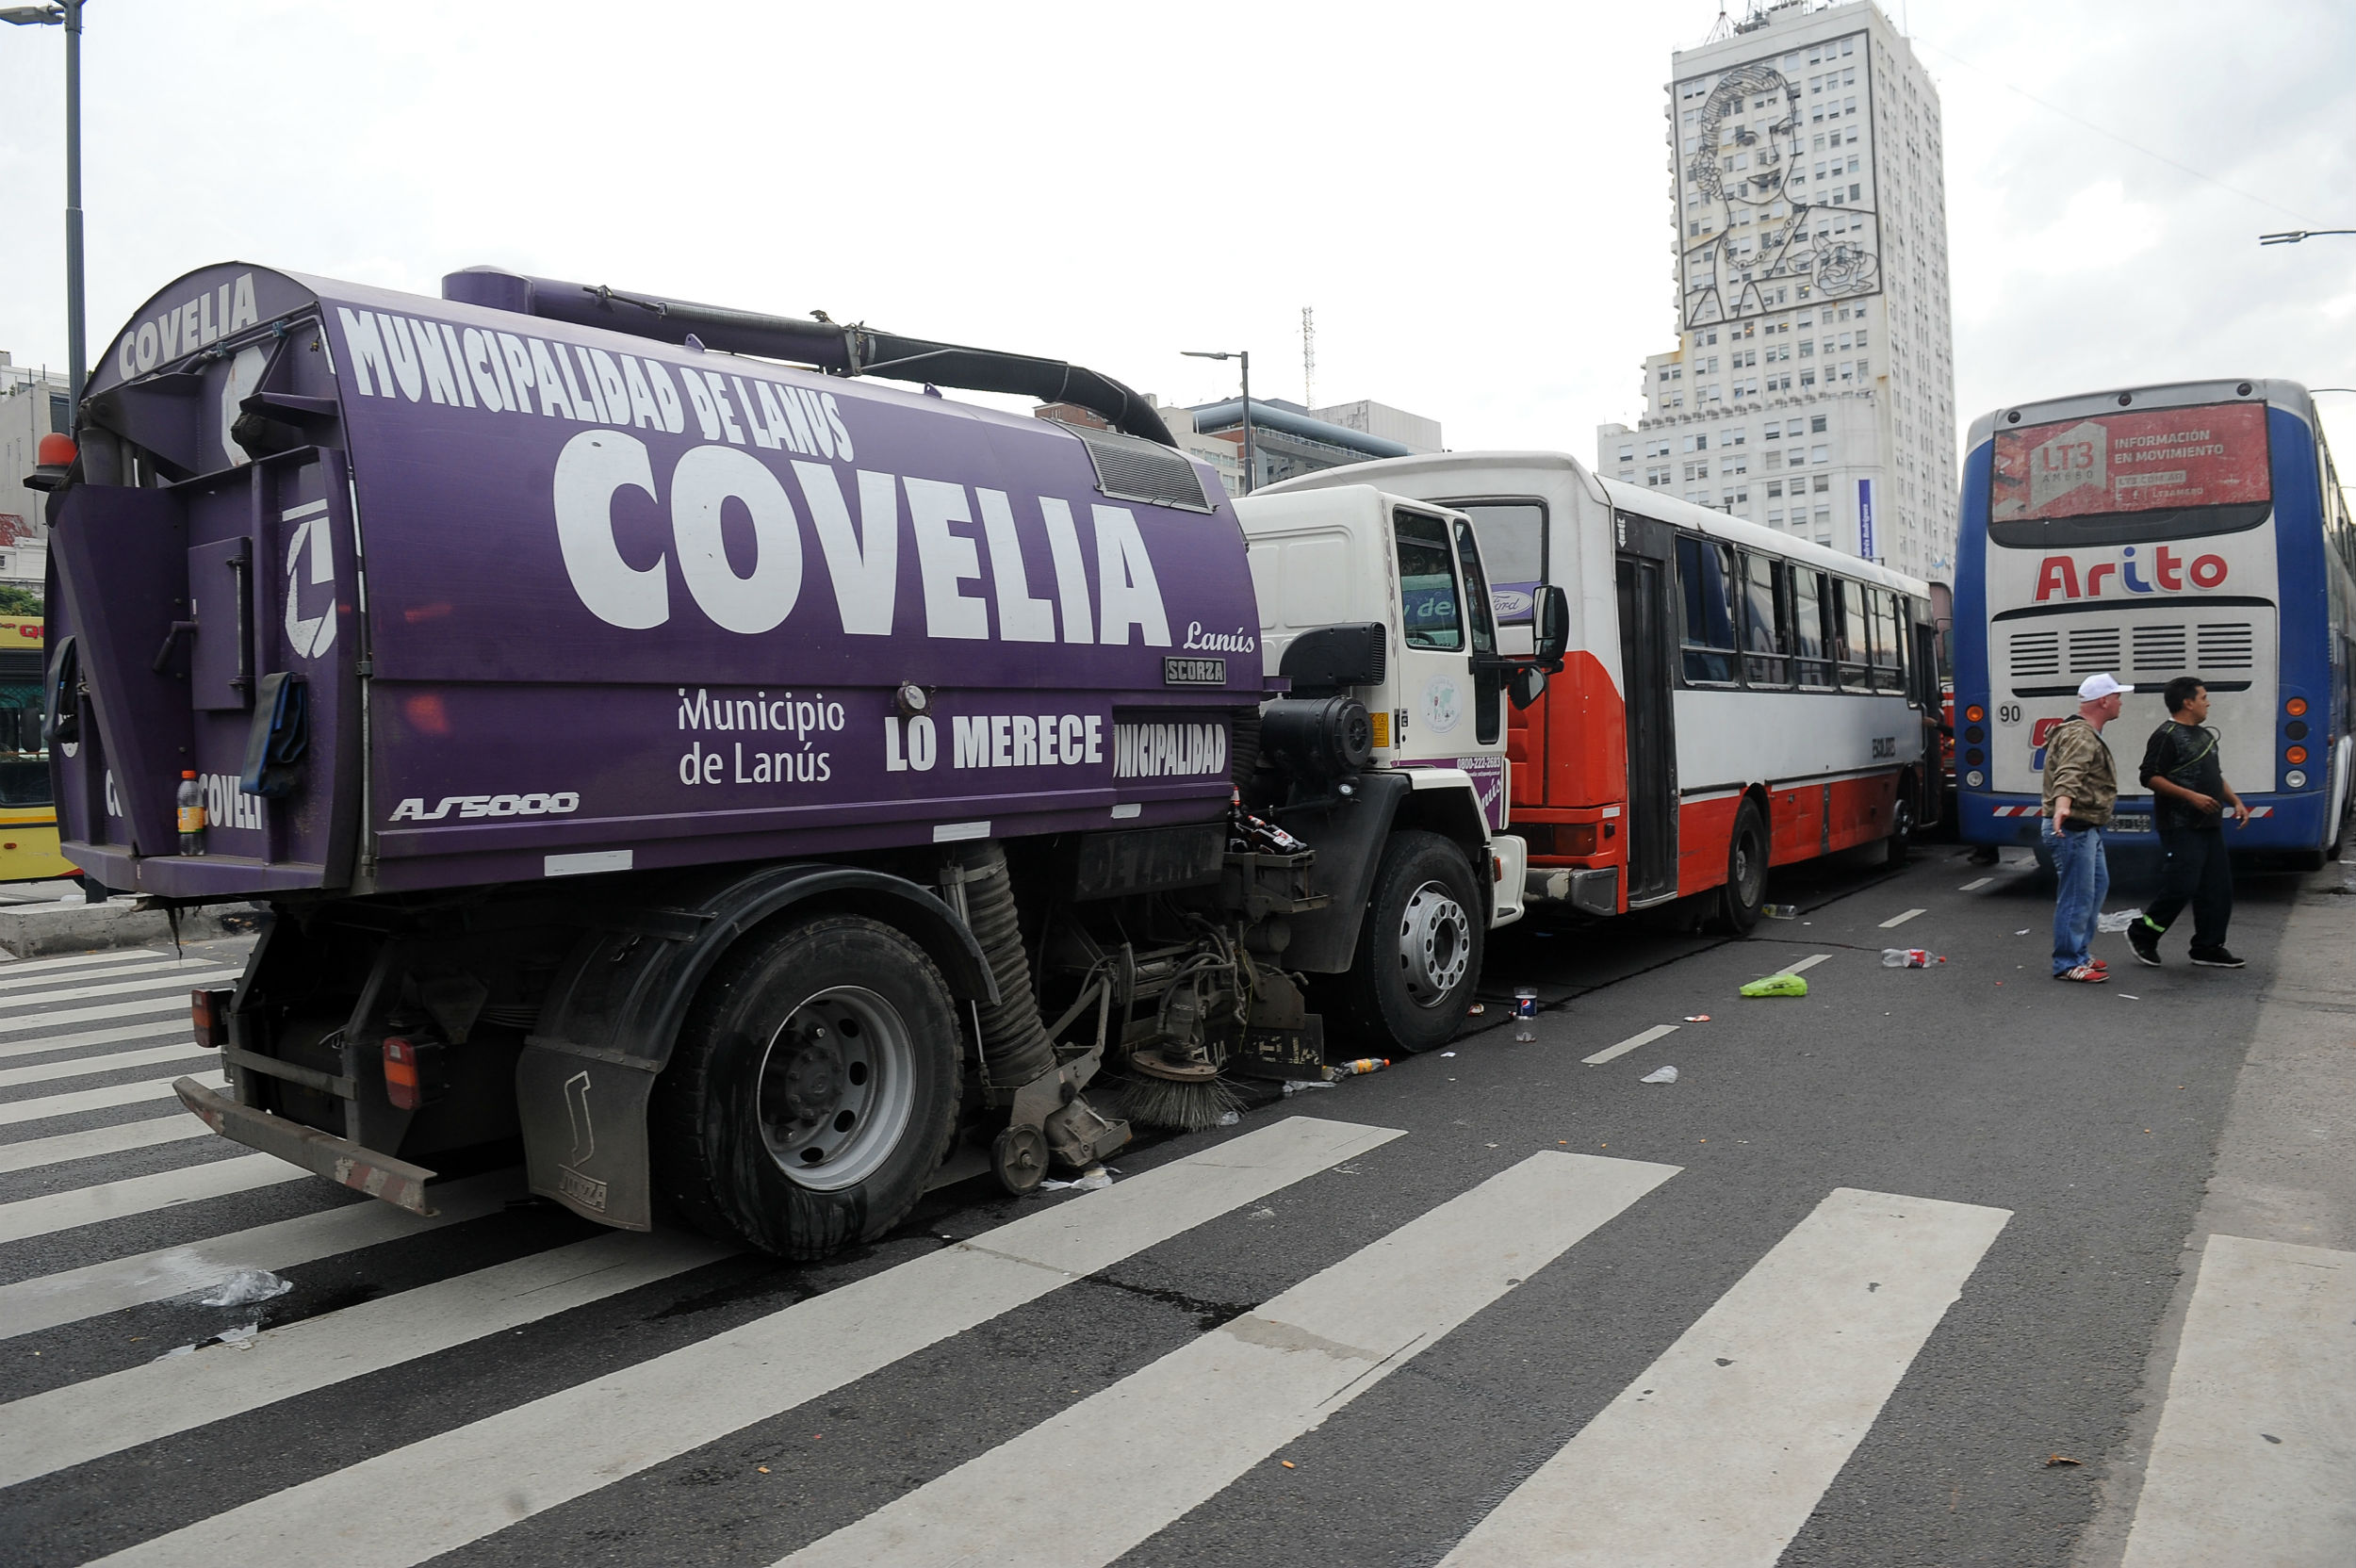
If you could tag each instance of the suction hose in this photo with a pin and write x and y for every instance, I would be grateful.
(1015, 1047)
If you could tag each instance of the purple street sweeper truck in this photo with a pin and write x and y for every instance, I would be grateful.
(761, 791)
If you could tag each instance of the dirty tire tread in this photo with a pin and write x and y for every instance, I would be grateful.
(684, 1155)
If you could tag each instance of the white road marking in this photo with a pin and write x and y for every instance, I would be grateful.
(63, 1211)
(1720, 1450)
(30, 1306)
(1975, 884)
(32, 1154)
(82, 1067)
(1657, 1032)
(2255, 1457)
(99, 1098)
(1808, 963)
(91, 1015)
(1901, 920)
(151, 1030)
(21, 974)
(187, 978)
(1167, 1438)
(18, 980)
(83, 1421)
(440, 1493)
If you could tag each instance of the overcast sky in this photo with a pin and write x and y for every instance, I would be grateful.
(1473, 197)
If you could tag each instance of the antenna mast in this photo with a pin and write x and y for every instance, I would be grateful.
(1308, 356)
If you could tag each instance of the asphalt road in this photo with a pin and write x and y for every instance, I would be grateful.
(2074, 1124)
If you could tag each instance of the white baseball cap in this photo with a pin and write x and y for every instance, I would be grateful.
(2096, 687)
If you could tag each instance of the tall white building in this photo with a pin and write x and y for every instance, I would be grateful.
(1812, 387)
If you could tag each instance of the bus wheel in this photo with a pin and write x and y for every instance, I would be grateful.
(1419, 947)
(1747, 872)
(812, 1090)
(1902, 829)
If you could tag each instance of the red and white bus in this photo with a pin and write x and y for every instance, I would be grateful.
(1734, 698)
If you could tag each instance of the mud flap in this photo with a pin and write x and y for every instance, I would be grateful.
(584, 1123)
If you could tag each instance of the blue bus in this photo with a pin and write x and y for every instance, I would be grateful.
(2193, 528)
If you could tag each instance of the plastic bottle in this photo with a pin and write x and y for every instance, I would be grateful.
(1908, 958)
(1362, 1066)
(191, 814)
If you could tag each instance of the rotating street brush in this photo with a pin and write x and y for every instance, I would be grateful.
(1180, 1096)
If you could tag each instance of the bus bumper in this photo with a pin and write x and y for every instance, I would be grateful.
(2277, 821)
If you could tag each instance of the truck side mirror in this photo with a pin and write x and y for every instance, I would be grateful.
(1527, 684)
(1554, 627)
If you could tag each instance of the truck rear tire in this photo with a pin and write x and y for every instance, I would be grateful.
(1419, 947)
(812, 1090)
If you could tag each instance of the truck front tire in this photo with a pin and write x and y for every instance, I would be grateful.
(812, 1090)
(1419, 947)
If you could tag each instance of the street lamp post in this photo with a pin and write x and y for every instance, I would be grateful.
(2292, 237)
(67, 14)
(1245, 355)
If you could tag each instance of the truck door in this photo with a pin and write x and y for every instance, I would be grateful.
(1436, 719)
(1647, 688)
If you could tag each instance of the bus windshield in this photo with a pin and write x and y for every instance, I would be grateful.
(2138, 474)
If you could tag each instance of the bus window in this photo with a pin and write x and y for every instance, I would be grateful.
(1427, 583)
(1766, 634)
(1807, 628)
(1888, 652)
(1850, 637)
(1706, 586)
(1514, 544)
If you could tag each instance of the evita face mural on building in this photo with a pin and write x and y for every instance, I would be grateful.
(1777, 190)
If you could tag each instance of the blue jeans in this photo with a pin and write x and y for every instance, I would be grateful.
(2085, 875)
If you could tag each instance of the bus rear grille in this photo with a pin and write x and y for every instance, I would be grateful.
(2159, 650)
(2231, 646)
(2093, 650)
(2035, 653)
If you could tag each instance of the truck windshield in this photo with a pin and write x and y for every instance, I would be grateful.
(1431, 613)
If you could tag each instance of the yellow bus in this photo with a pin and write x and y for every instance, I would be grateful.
(28, 815)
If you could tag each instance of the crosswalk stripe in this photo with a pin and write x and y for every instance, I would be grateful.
(187, 978)
(2255, 1457)
(13, 977)
(35, 1305)
(1659, 1031)
(152, 1029)
(18, 973)
(102, 1099)
(1720, 1450)
(63, 1016)
(164, 1189)
(82, 1067)
(83, 1421)
(1165, 1439)
(32, 1154)
(437, 1494)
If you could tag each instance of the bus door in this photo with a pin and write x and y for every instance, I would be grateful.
(1645, 572)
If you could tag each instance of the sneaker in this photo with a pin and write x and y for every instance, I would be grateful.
(2214, 958)
(2144, 942)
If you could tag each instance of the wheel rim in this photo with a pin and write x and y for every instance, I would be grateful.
(1901, 819)
(1435, 944)
(836, 1086)
(1750, 870)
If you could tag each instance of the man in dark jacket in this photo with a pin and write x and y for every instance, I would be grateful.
(2189, 798)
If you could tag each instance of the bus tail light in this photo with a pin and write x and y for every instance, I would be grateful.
(411, 1073)
(2296, 779)
(208, 1014)
(1975, 712)
(1567, 838)
(2296, 708)
(2295, 756)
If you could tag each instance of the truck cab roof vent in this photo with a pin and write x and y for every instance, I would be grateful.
(1132, 469)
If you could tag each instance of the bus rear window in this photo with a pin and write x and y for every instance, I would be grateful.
(2160, 473)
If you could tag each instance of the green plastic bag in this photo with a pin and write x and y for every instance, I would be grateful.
(1778, 985)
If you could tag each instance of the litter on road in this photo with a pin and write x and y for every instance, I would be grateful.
(1095, 1178)
(1660, 1075)
(1778, 985)
(1697, 1018)
(247, 1286)
(1910, 957)
(1303, 1085)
